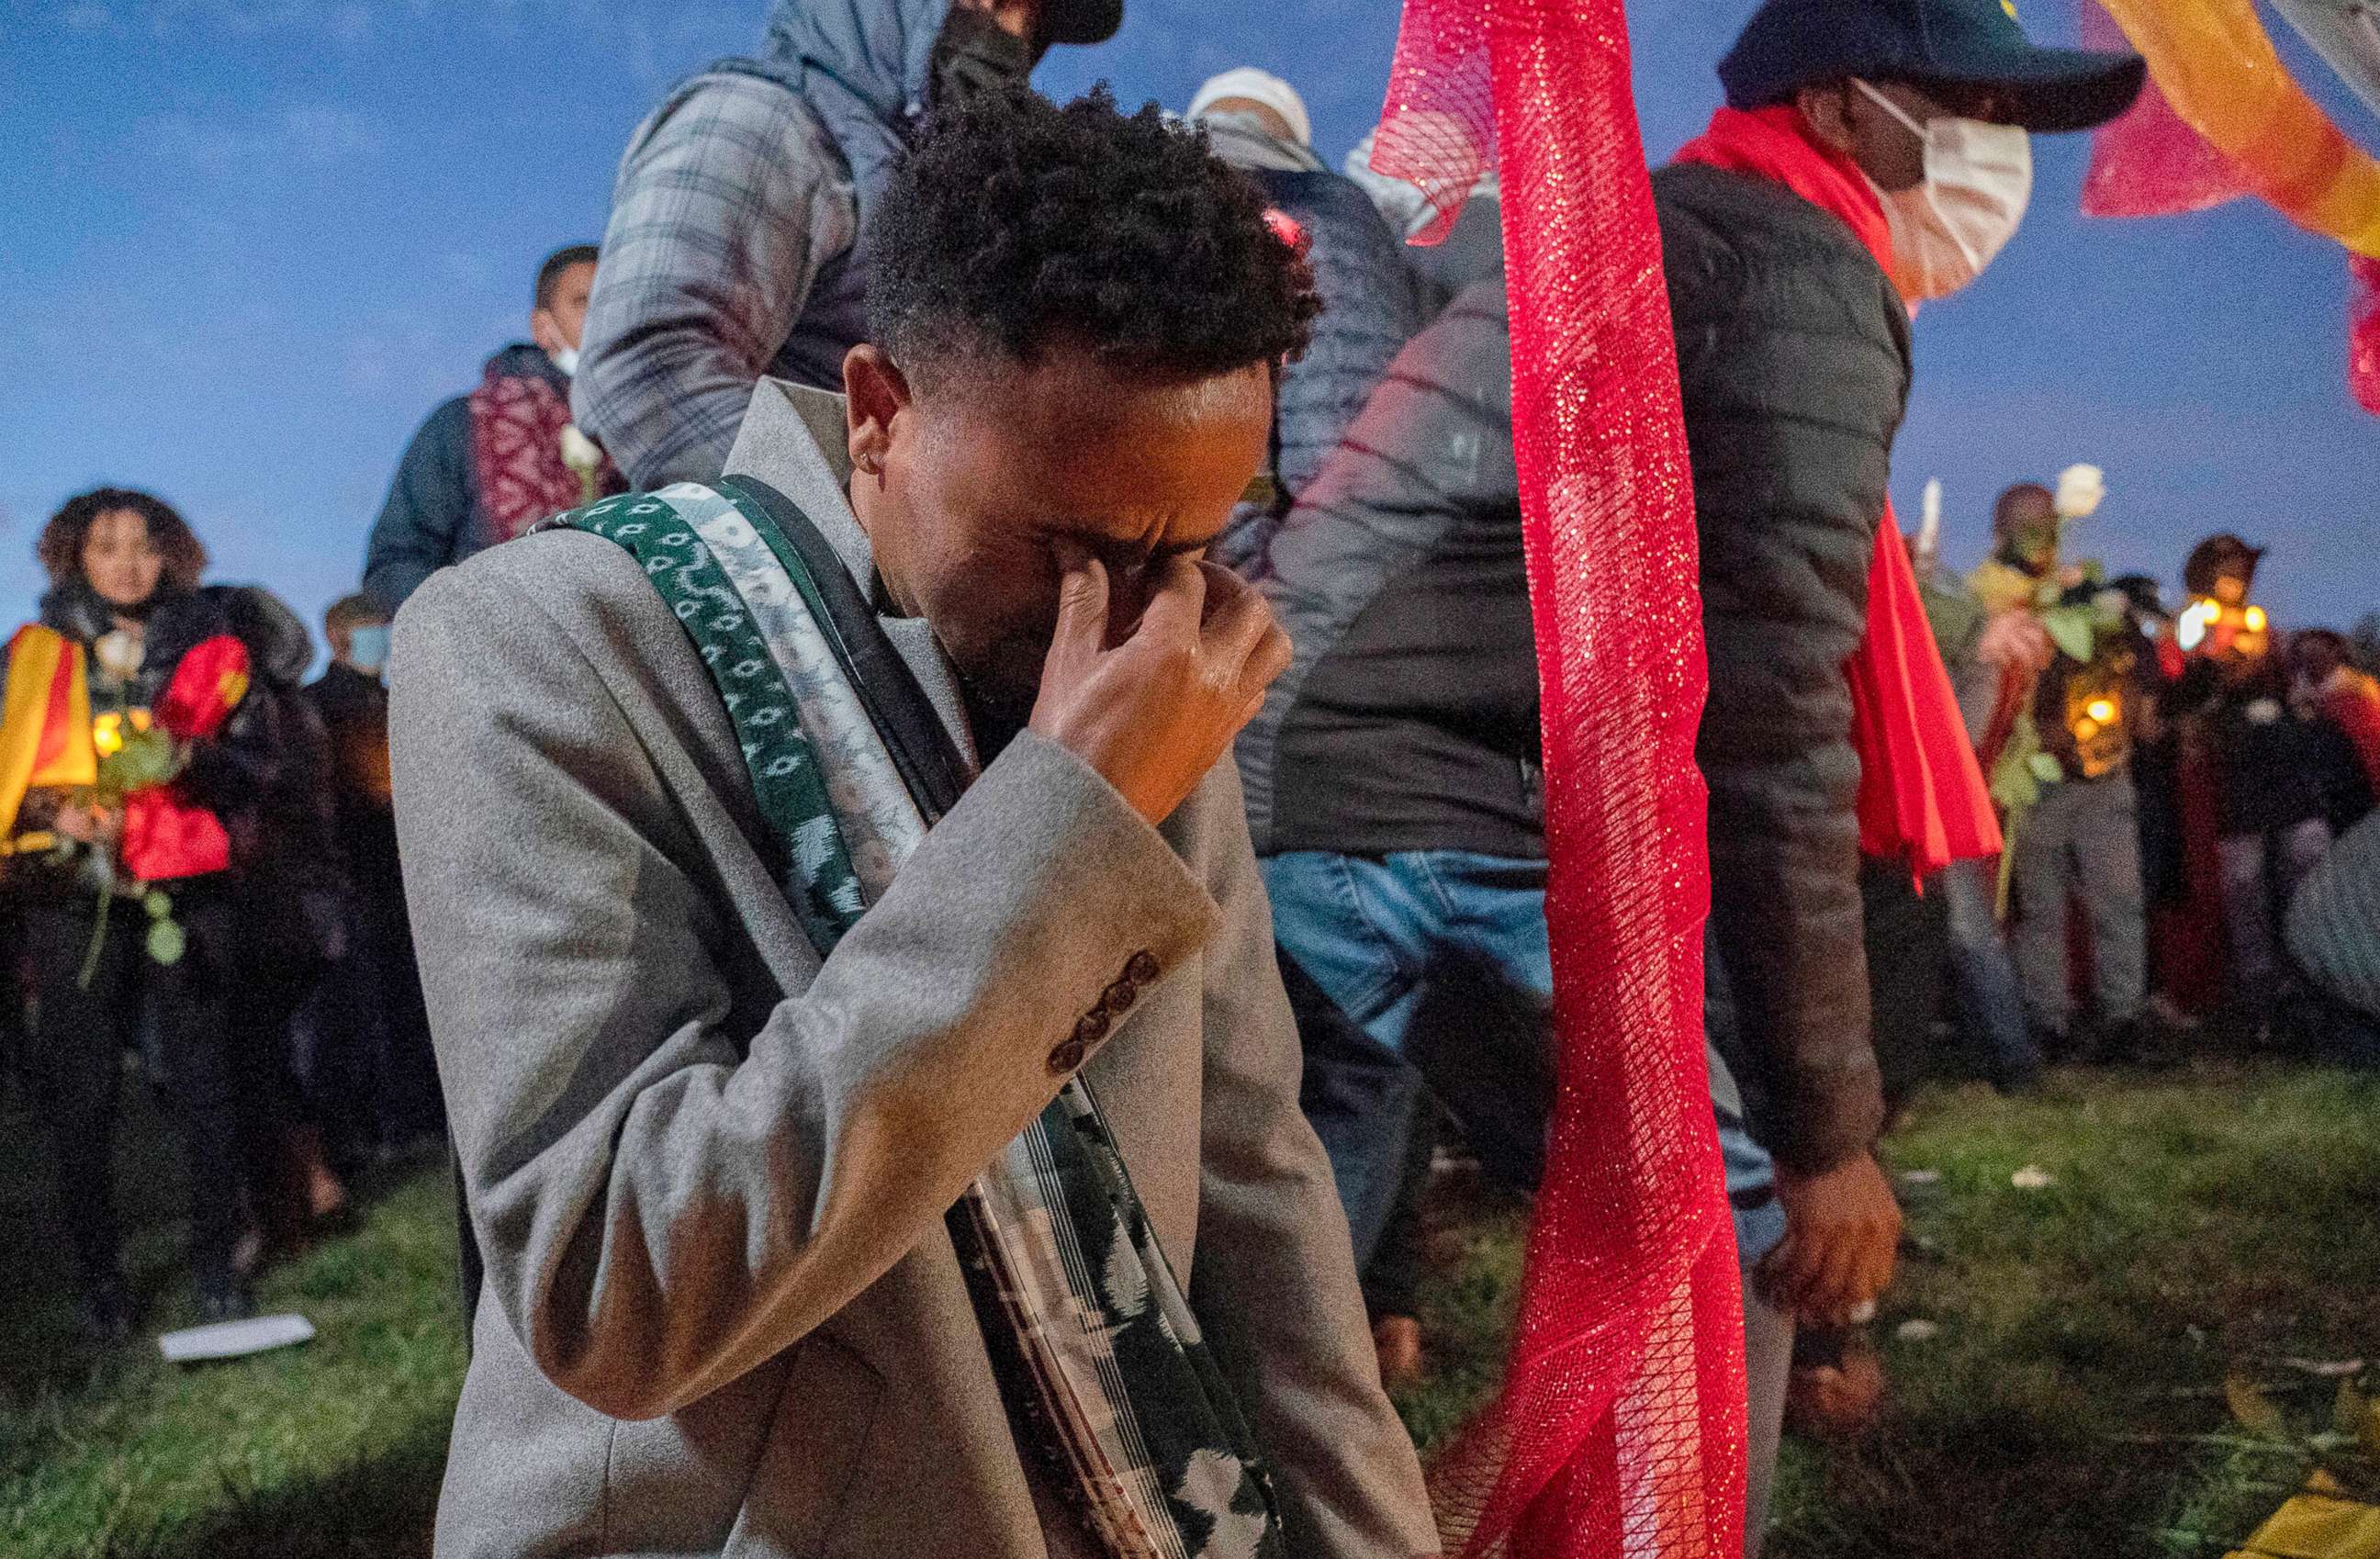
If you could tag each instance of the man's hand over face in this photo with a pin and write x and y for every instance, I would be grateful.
(1842, 1230)
(1154, 712)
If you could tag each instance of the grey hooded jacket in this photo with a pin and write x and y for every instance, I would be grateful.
(733, 246)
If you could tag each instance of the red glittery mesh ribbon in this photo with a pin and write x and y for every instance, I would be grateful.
(1621, 1427)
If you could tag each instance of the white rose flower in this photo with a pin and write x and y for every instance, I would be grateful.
(579, 452)
(119, 654)
(2079, 490)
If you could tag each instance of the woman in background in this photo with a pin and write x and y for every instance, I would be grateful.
(131, 757)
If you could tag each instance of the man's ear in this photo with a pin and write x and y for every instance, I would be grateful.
(1827, 110)
(546, 332)
(875, 391)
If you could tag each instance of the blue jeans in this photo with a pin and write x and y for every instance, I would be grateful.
(1983, 977)
(1439, 960)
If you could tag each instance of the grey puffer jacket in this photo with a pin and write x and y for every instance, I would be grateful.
(1374, 300)
(1794, 359)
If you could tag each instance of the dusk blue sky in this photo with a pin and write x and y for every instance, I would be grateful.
(246, 245)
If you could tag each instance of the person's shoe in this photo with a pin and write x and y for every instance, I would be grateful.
(107, 1313)
(1397, 1340)
(1837, 1401)
(2119, 1045)
(325, 1196)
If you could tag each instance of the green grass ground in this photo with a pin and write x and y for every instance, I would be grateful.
(2218, 1223)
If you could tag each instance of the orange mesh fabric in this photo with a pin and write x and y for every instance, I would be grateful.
(1621, 1427)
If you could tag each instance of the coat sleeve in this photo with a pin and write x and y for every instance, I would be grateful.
(728, 201)
(427, 515)
(667, 1195)
(1793, 382)
(1303, 1363)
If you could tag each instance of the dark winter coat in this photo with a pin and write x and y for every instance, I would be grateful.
(1408, 717)
(433, 515)
(1373, 302)
(1374, 299)
(1794, 359)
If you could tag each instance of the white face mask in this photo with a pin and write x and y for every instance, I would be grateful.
(1947, 226)
(566, 360)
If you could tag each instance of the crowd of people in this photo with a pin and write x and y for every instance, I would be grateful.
(976, 380)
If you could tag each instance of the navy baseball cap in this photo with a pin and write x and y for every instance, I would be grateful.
(1790, 44)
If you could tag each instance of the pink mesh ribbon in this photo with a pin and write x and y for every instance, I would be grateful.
(2220, 117)
(2148, 161)
(1619, 1429)
(2363, 331)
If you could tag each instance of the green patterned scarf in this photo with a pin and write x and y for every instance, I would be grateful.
(1101, 1363)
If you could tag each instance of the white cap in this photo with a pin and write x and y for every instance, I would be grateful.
(1257, 85)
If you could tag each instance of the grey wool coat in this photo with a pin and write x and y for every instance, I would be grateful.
(708, 1171)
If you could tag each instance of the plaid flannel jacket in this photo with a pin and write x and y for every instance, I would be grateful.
(721, 262)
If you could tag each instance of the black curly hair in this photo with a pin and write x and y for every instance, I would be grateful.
(1013, 224)
(60, 546)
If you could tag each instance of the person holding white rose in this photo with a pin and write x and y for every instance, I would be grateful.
(2078, 836)
(485, 466)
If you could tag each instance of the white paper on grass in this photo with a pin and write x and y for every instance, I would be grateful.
(234, 1339)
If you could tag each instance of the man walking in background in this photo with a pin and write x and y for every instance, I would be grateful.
(488, 466)
(735, 245)
(1985, 651)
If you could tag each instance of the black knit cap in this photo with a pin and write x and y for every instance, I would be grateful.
(1790, 44)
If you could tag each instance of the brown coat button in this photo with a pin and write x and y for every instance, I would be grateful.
(1118, 999)
(1093, 1027)
(1142, 969)
(1067, 1058)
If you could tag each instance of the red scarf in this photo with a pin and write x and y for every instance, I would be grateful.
(517, 423)
(1922, 796)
